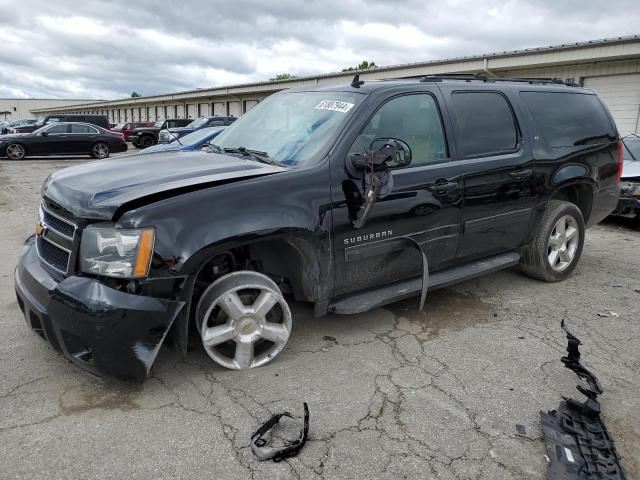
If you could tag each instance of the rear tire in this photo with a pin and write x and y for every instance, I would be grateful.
(15, 151)
(147, 141)
(556, 248)
(100, 150)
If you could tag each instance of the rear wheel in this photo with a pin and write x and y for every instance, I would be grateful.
(243, 320)
(16, 151)
(146, 141)
(100, 150)
(557, 246)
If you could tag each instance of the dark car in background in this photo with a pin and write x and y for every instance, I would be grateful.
(147, 136)
(127, 128)
(99, 120)
(9, 127)
(193, 141)
(63, 139)
(629, 203)
(170, 134)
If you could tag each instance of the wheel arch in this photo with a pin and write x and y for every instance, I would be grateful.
(579, 191)
(26, 150)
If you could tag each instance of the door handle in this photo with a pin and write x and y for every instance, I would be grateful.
(520, 174)
(443, 186)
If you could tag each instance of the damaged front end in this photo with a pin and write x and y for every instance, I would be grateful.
(101, 329)
(579, 445)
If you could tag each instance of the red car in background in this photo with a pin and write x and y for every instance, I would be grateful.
(127, 128)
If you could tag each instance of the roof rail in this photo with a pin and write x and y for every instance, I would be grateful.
(483, 78)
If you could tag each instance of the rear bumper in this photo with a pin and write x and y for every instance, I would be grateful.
(100, 329)
(120, 148)
(604, 203)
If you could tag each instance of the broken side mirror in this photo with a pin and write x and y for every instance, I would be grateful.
(382, 154)
(374, 165)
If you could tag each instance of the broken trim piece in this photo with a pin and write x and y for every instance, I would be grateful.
(579, 446)
(290, 449)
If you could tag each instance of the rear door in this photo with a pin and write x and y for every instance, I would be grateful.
(81, 138)
(421, 209)
(501, 188)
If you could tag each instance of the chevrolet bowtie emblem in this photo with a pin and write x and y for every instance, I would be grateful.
(39, 229)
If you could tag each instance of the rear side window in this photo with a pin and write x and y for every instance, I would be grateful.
(569, 119)
(486, 123)
(75, 128)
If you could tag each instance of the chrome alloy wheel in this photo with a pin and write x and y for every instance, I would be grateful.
(100, 150)
(15, 151)
(247, 322)
(563, 243)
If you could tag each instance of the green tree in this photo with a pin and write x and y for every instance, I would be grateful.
(135, 94)
(364, 65)
(282, 76)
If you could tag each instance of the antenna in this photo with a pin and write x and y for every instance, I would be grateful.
(356, 82)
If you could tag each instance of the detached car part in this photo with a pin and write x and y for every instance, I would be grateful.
(579, 446)
(290, 449)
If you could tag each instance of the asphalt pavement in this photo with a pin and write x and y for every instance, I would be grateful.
(393, 393)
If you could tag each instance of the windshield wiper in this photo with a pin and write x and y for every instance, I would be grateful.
(255, 154)
(214, 147)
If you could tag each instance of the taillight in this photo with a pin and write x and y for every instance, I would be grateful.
(620, 160)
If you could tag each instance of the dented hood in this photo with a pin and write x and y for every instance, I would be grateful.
(97, 189)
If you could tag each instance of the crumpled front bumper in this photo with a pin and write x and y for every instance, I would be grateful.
(103, 330)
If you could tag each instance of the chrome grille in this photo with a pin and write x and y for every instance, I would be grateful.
(57, 223)
(52, 254)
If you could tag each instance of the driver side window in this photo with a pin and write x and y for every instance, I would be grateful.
(413, 119)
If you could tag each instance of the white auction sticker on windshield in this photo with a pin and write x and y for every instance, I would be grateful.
(335, 106)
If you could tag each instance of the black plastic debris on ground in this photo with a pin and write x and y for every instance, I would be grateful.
(579, 446)
(290, 449)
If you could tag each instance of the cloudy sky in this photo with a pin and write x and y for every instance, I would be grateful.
(107, 49)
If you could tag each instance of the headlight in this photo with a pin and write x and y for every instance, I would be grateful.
(116, 252)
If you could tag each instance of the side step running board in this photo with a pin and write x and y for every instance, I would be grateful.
(361, 302)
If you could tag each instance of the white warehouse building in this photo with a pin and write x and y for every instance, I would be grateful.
(21, 108)
(610, 67)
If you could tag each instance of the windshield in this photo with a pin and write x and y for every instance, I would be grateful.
(158, 124)
(198, 136)
(41, 129)
(632, 144)
(293, 127)
(119, 126)
(198, 123)
(40, 121)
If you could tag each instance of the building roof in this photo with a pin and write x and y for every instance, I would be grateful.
(464, 63)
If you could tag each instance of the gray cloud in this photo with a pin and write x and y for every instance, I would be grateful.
(107, 49)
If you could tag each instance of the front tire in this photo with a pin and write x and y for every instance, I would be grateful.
(556, 249)
(100, 150)
(243, 320)
(147, 141)
(16, 151)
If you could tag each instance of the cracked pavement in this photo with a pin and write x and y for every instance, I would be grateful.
(393, 393)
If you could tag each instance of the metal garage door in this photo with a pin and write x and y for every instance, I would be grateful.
(191, 110)
(203, 109)
(234, 109)
(220, 108)
(249, 104)
(179, 111)
(621, 94)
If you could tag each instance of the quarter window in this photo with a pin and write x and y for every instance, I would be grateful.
(486, 123)
(569, 119)
(75, 128)
(415, 120)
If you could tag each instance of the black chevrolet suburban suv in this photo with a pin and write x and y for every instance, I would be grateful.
(143, 137)
(348, 197)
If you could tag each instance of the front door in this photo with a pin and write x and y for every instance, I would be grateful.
(420, 212)
(53, 143)
(501, 187)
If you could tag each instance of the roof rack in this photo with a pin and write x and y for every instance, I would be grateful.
(484, 78)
